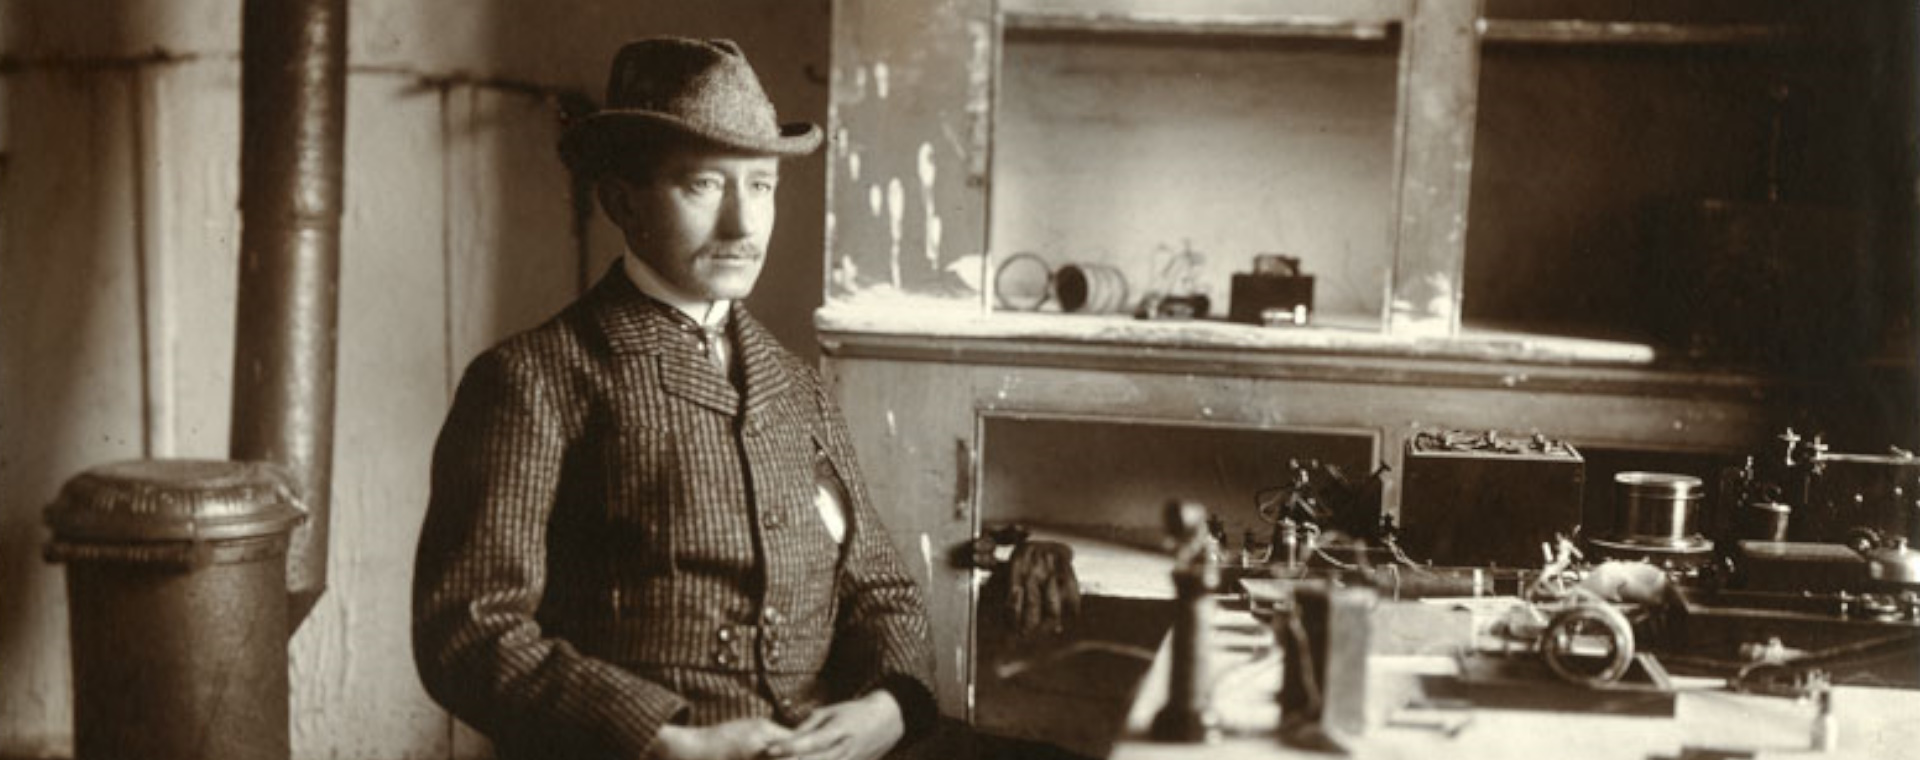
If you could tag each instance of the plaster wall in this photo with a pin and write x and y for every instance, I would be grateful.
(119, 186)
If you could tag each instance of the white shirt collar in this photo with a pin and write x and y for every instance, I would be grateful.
(703, 312)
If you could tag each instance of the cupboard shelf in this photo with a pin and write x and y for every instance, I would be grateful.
(1587, 32)
(1333, 335)
(1309, 27)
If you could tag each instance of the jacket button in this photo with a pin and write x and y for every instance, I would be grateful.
(725, 634)
(723, 658)
(770, 520)
(772, 616)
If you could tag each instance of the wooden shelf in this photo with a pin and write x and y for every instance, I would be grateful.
(1481, 357)
(1094, 22)
(1335, 336)
(1584, 32)
(1304, 19)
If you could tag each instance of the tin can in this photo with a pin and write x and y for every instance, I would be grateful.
(1091, 288)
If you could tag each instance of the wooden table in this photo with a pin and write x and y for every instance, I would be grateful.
(1872, 723)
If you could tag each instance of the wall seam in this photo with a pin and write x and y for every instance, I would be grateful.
(446, 250)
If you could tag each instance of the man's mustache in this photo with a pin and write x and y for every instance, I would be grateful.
(736, 250)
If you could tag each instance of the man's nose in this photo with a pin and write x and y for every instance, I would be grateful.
(740, 217)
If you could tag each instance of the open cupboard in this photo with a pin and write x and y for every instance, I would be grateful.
(1662, 232)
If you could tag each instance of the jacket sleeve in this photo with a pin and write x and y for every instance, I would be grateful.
(882, 640)
(480, 573)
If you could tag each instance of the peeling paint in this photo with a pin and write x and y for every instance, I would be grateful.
(896, 210)
(927, 172)
(933, 238)
(893, 429)
(875, 199)
(980, 37)
(880, 77)
(926, 556)
(853, 166)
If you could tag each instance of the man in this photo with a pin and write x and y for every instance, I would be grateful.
(647, 536)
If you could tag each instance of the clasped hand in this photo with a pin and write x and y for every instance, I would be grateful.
(859, 729)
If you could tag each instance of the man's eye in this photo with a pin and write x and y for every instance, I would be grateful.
(706, 184)
(763, 187)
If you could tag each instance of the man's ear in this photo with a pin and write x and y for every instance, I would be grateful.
(615, 199)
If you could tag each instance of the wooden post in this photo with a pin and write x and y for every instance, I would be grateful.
(1439, 94)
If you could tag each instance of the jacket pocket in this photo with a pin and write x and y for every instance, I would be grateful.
(643, 483)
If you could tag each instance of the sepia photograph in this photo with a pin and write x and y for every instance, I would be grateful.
(959, 379)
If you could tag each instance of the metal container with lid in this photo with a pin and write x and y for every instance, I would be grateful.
(1895, 563)
(174, 500)
(1657, 508)
(1657, 518)
(177, 596)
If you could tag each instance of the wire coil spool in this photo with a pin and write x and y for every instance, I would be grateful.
(1023, 282)
(1561, 644)
(1091, 288)
(1657, 515)
(1657, 509)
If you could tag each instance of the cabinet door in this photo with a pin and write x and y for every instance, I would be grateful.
(913, 425)
(908, 158)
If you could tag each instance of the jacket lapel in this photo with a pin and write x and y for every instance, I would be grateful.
(636, 325)
(762, 360)
(689, 375)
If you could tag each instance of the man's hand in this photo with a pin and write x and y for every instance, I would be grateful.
(1042, 591)
(860, 729)
(742, 739)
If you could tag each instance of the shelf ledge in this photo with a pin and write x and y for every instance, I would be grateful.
(963, 321)
(1324, 27)
(1576, 31)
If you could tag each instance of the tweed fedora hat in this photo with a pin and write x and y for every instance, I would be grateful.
(700, 89)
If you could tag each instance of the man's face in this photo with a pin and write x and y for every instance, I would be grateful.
(702, 220)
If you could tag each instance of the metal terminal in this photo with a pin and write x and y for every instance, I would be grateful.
(1188, 715)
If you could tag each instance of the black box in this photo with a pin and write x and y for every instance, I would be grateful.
(1489, 505)
(1796, 567)
(1265, 299)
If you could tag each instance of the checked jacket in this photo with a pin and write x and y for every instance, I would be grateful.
(618, 537)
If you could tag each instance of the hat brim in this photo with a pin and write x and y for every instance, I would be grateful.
(598, 138)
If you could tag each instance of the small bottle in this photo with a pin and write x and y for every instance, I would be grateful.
(1284, 554)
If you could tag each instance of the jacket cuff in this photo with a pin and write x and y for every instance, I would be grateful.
(918, 711)
(634, 737)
